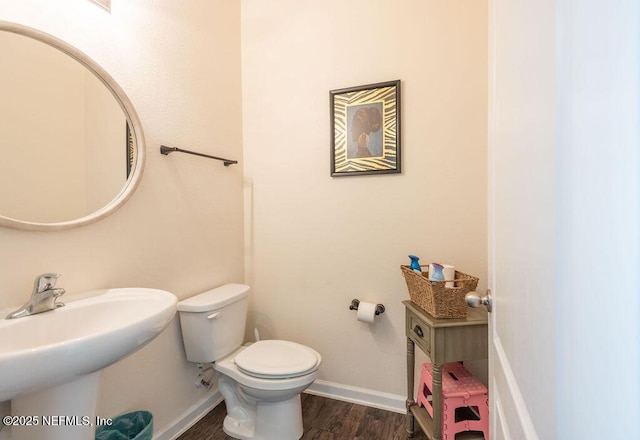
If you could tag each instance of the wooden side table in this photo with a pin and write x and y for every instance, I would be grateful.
(443, 340)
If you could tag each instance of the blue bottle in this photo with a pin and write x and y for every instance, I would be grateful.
(415, 265)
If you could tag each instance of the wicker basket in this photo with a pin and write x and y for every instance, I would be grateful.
(435, 298)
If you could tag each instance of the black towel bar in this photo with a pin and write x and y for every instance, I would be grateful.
(166, 150)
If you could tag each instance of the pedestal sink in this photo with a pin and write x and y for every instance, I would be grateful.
(50, 362)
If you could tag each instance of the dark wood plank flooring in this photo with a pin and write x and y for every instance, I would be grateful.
(324, 419)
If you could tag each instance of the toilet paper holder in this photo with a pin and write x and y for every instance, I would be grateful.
(356, 302)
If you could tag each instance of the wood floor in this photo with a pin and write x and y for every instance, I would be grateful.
(324, 419)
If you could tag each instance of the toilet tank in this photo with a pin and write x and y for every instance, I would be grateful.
(213, 322)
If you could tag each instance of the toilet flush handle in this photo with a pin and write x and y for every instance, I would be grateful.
(214, 315)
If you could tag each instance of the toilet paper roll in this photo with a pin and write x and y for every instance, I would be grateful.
(449, 273)
(366, 311)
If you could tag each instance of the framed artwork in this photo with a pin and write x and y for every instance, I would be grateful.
(365, 129)
(130, 150)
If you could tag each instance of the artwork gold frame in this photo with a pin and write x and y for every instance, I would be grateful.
(365, 129)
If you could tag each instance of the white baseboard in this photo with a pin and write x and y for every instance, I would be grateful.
(189, 418)
(361, 396)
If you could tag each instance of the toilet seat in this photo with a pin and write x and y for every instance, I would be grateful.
(276, 359)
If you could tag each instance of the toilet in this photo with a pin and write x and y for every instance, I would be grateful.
(260, 382)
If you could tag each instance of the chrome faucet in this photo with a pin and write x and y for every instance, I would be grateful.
(43, 298)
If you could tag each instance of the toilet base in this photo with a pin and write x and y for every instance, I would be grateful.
(274, 421)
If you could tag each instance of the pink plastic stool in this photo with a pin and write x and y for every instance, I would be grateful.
(460, 391)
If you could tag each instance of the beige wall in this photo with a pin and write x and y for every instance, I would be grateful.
(179, 63)
(315, 242)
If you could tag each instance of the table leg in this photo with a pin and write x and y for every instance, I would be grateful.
(409, 421)
(437, 401)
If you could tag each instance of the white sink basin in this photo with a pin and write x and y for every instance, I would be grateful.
(85, 336)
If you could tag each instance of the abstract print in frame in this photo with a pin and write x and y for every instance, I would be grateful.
(365, 129)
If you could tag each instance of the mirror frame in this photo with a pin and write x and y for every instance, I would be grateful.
(129, 111)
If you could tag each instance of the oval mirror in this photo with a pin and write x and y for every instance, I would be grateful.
(71, 143)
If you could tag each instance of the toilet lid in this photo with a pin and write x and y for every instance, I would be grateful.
(276, 359)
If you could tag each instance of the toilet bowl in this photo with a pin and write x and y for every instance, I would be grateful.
(256, 398)
(260, 382)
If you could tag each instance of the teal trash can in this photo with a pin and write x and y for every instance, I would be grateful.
(137, 425)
